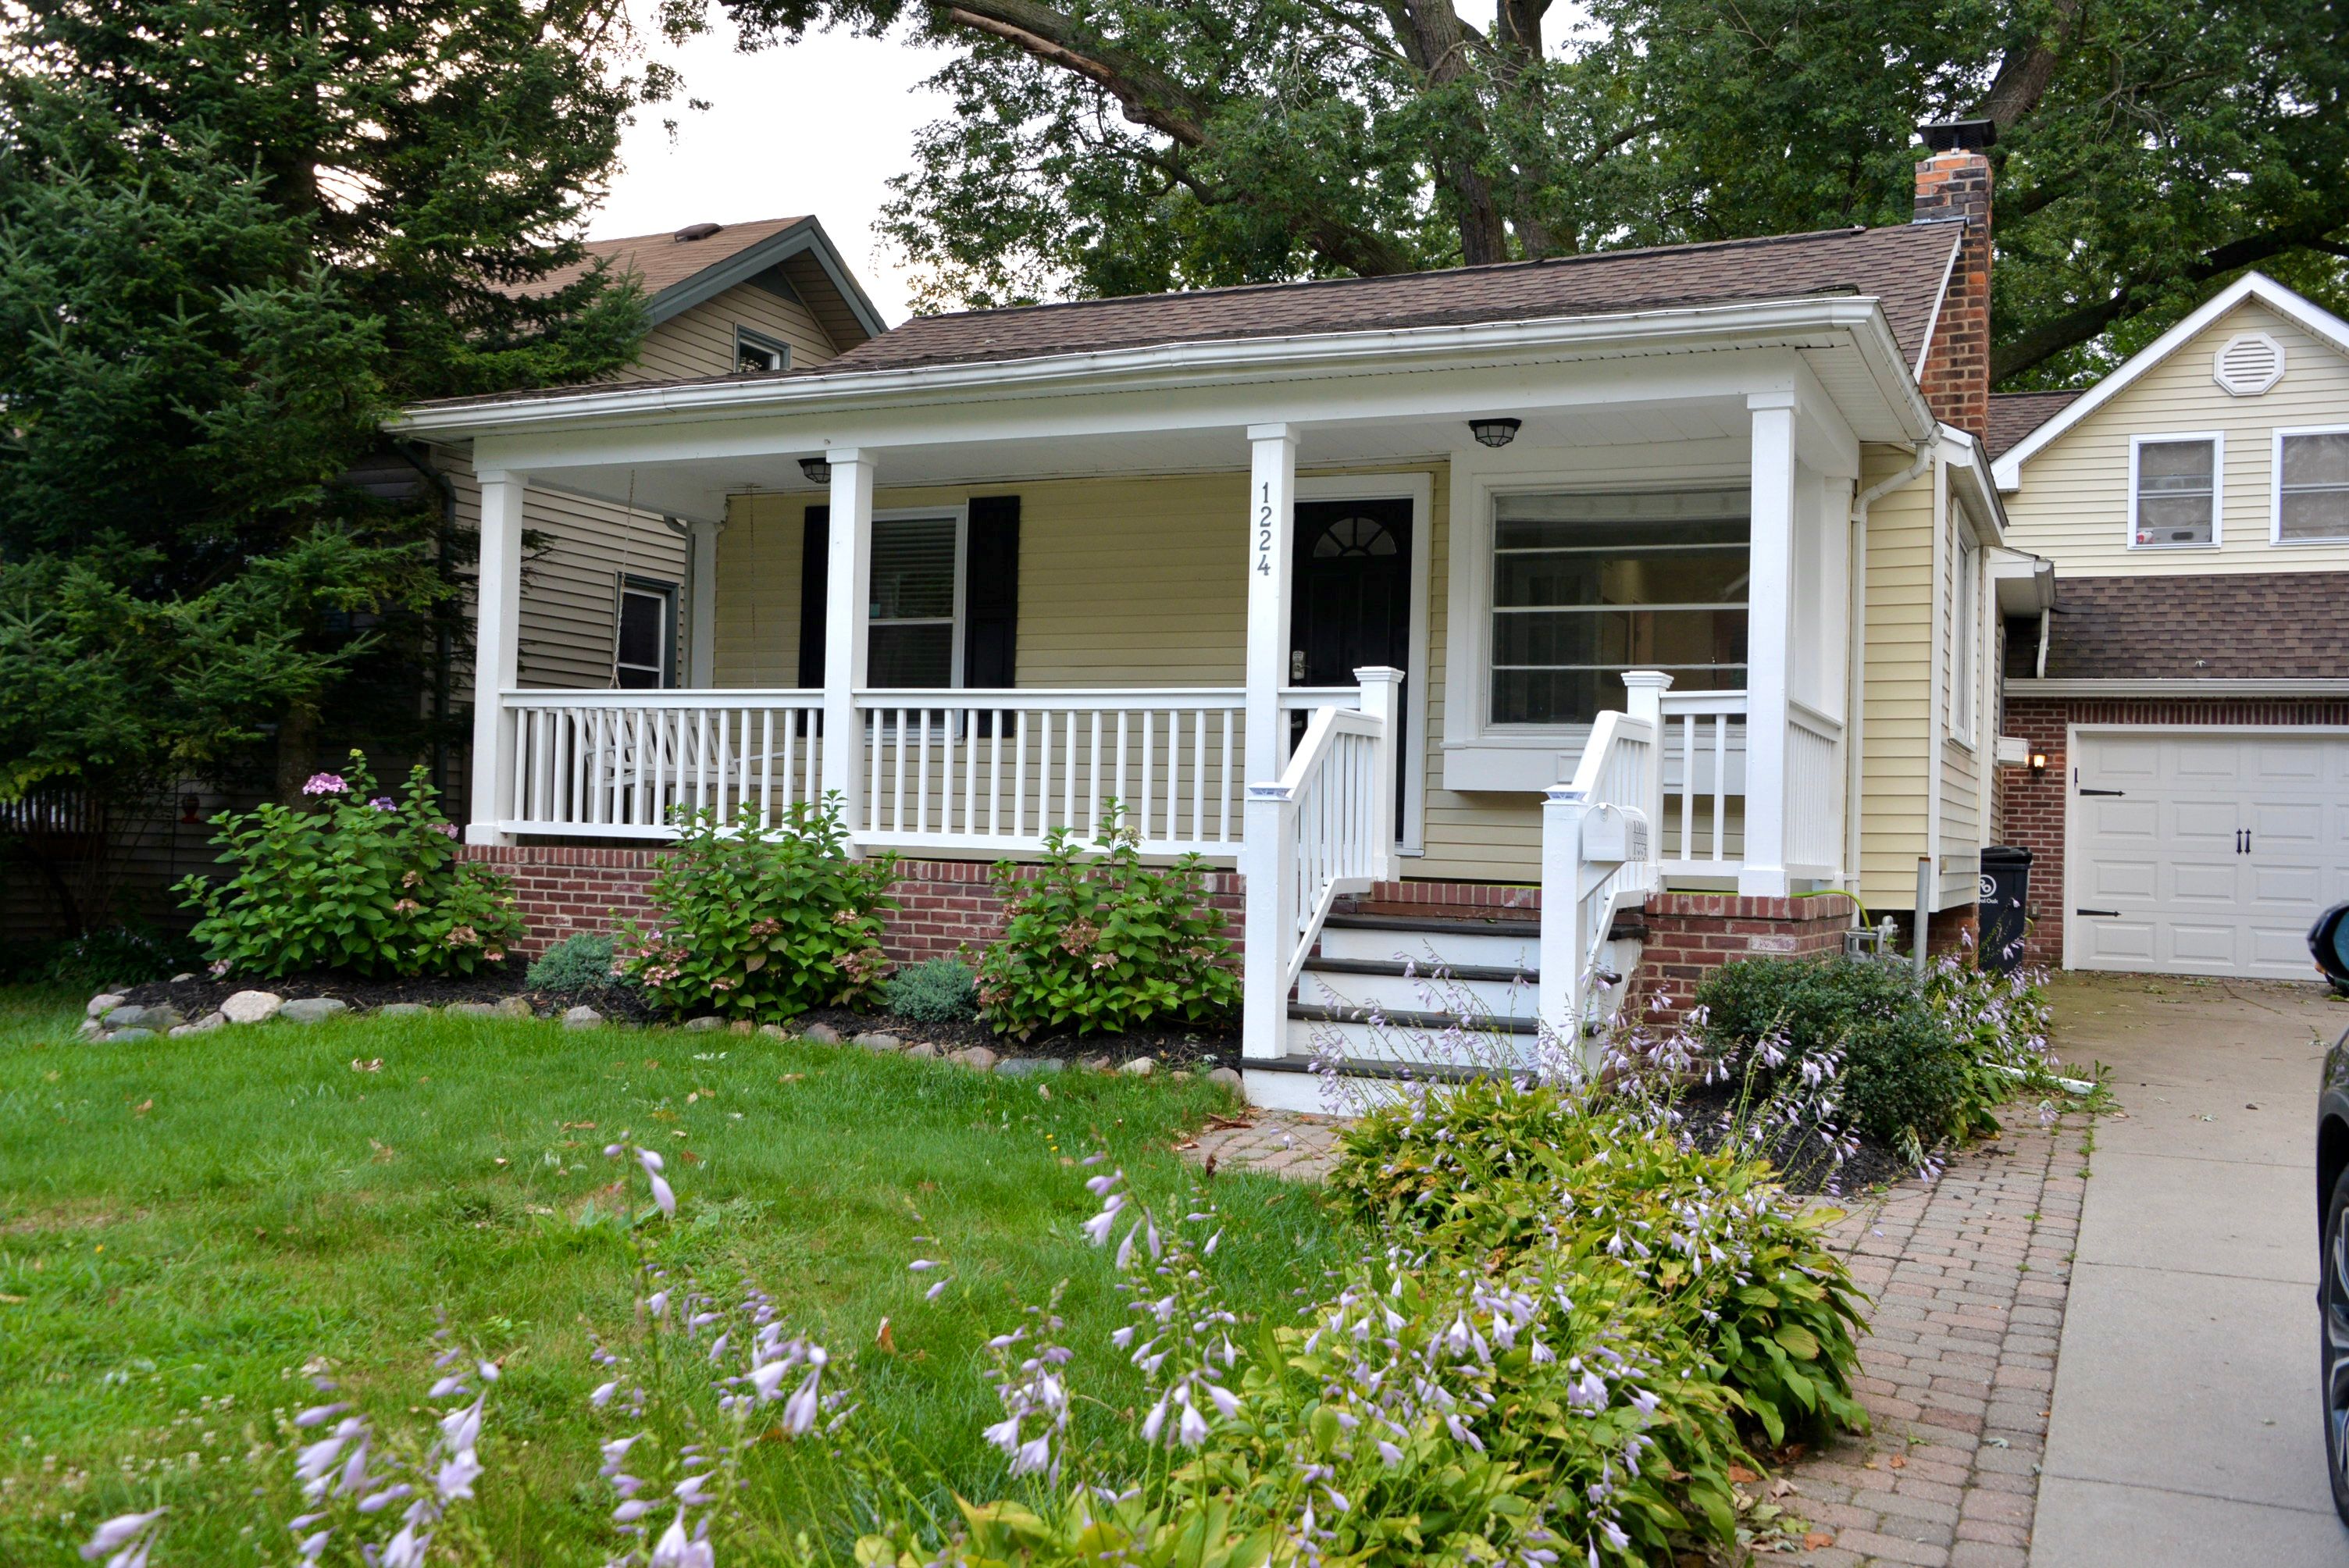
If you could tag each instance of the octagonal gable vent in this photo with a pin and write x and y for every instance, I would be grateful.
(2248, 364)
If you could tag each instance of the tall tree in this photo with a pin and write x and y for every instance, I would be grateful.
(235, 235)
(2146, 151)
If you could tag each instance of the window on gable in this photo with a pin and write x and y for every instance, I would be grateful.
(2311, 486)
(645, 655)
(2175, 497)
(755, 351)
(917, 612)
(1587, 586)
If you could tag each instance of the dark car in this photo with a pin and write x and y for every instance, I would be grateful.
(2329, 941)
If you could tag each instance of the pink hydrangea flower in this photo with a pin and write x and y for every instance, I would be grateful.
(325, 784)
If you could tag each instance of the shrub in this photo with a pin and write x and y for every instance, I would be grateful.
(939, 991)
(2001, 1023)
(1491, 1171)
(1904, 1068)
(354, 882)
(584, 964)
(761, 925)
(1098, 941)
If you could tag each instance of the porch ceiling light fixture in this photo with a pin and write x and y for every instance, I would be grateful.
(818, 471)
(1495, 432)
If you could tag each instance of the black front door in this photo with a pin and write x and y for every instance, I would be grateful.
(1351, 604)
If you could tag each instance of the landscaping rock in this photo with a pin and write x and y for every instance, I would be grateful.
(1229, 1079)
(976, 1057)
(214, 1019)
(128, 1037)
(822, 1034)
(182, 979)
(743, 1026)
(1029, 1067)
(1140, 1067)
(923, 1051)
(1099, 1065)
(583, 1018)
(252, 1007)
(102, 1003)
(464, 1009)
(511, 1007)
(158, 1018)
(704, 1024)
(91, 1029)
(402, 1010)
(313, 1009)
(877, 1042)
(774, 1031)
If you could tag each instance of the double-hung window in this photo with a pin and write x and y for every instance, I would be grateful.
(755, 351)
(2311, 500)
(643, 654)
(2174, 491)
(1586, 586)
(1965, 632)
(917, 602)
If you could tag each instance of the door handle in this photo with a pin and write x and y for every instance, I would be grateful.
(2085, 790)
(2107, 913)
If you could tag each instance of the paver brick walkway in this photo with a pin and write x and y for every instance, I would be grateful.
(1272, 1143)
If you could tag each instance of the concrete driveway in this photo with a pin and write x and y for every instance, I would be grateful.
(2185, 1426)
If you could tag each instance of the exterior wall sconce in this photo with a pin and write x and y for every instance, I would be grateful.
(2039, 765)
(818, 471)
(1495, 432)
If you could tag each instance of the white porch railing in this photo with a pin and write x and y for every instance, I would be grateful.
(1599, 851)
(999, 769)
(616, 764)
(1815, 793)
(1701, 830)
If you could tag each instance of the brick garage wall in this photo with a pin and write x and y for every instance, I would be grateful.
(2034, 807)
(1691, 933)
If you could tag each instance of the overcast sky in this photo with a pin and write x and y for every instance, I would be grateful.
(817, 126)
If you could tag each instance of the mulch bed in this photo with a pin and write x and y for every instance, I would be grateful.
(1198, 1049)
(1804, 1163)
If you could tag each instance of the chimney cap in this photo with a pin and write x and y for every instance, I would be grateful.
(1952, 135)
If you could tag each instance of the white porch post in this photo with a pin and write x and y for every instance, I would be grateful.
(1769, 644)
(848, 597)
(1563, 939)
(497, 640)
(701, 609)
(1382, 700)
(1265, 860)
(1643, 698)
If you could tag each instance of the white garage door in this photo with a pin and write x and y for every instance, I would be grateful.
(2205, 854)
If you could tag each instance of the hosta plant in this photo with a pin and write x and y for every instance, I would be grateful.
(353, 881)
(756, 923)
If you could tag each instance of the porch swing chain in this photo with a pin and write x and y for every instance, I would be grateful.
(620, 584)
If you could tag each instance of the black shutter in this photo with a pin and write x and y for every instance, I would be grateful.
(815, 576)
(990, 635)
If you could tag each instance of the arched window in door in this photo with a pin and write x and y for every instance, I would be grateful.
(1354, 534)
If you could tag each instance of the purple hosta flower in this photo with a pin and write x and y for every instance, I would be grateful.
(690, 1492)
(325, 784)
(674, 1548)
(124, 1540)
(457, 1476)
(800, 1410)
(924, 1265)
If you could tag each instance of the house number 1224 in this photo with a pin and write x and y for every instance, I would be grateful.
(1263, 533)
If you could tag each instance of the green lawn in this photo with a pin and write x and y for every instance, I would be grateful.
(185, 1224)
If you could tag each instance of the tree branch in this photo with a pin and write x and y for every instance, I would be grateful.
(2023, 76)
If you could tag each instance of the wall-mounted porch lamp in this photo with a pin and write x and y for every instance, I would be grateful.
(1495, 432)
(818, 471)
(2039, 765)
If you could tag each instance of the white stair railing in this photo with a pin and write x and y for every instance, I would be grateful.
(1599, 851)
(618, 764)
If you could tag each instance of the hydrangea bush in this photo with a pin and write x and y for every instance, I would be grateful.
(353, 881)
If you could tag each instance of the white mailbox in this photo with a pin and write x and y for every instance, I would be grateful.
(1614, 834)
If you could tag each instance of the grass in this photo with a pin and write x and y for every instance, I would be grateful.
(186, 1225)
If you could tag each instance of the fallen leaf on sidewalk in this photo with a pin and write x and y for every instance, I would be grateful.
(1740, 1473)
(1816, 1539)
(1898, 1461)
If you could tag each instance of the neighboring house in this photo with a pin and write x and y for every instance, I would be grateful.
(1573, 619)
(611, 599)
(2187, 693)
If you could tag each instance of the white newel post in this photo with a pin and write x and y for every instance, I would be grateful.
(1382, 700)
(1643, 698)
(1769, 644)
(848, 598)
(1267, 860)
(497, 642)
(701, 618)
(1563, 940)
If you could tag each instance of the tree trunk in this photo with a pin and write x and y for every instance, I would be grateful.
(297, 753)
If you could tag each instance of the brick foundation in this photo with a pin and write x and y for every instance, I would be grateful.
(2034, 806)
(1691, 933)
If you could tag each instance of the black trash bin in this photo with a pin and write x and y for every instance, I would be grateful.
(2005, 887)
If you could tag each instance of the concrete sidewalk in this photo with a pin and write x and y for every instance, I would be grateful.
(2186, 1427)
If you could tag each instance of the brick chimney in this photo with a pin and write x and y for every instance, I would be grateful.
(1953, 187)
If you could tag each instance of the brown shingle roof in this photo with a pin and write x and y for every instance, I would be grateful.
(2015, 415)
(1902, 266)
(2246, 625)
(662, 260)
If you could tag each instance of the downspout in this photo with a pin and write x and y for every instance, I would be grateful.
(1855, 666)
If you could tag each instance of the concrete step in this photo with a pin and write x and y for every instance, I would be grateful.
(1391, 986)
(1416, 1039)
(1511, 944)
(1291, 1082)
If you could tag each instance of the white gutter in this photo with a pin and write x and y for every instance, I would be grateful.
(2183, 687)
(1856, 702)
(1860, 319)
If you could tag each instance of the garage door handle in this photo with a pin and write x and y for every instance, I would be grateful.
(2107, 913)
(2087, 791)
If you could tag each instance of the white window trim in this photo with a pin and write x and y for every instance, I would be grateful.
(673, 594)
(2218, 439)
(2276, 488)
(746, 337)
(960, 514)
(1965, 631)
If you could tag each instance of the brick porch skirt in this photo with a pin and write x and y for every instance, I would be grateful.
(945, 906)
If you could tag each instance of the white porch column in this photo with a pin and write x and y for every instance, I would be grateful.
(1382, 700)
(497, 642)
(1266, 858)
(701, 609)
(1769, 644)
(848, 598)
